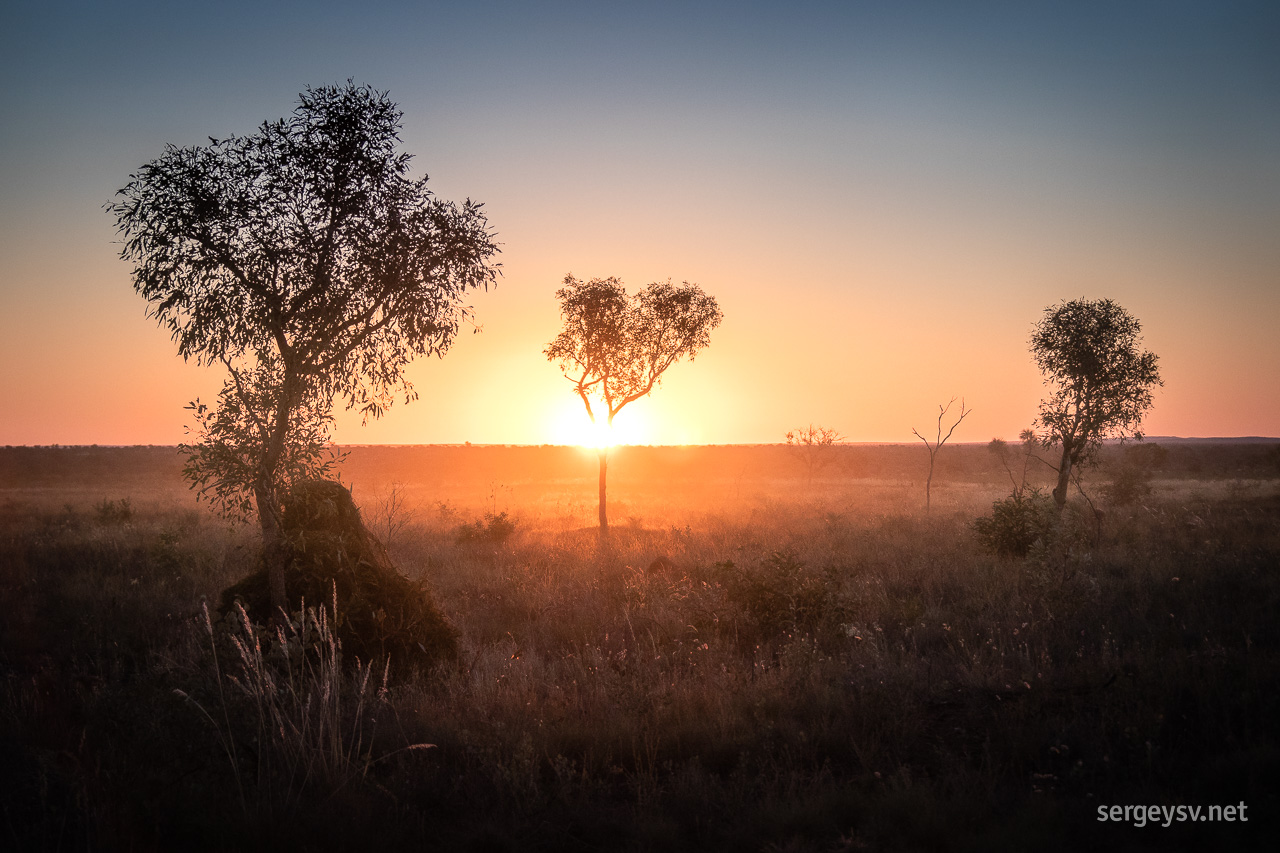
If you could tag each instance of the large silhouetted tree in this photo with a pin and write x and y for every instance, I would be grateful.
(615, 347)
(305, 260)
(1101, 380)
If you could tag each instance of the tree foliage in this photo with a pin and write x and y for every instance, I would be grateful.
(232, 438)
(1101, 380)
(615, 347)
(307, 261)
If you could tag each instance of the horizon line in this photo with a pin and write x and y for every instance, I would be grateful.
(1241, 439)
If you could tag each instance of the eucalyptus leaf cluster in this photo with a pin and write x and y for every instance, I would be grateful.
(615, 346)
(230, 439)
(307, 241)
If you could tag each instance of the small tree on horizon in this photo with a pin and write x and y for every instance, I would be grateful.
(614, 348)
(306, 261)
(937, 445)
(1100, 378)
(813, 445)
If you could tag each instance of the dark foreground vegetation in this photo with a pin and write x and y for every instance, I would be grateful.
(756, 660)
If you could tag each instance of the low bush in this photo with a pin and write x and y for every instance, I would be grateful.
(494, 529)
(1016, 523)
(109, 512)
(781, 595)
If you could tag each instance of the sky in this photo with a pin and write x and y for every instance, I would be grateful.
(882, 197)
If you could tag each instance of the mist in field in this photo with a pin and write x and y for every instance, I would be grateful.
(758, 656)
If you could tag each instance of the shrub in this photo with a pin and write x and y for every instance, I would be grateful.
(493, 529)
(1058, 572)
(1132, 480)
(782, 595)
(114, 512)
(1129, 485)
(1016, 523)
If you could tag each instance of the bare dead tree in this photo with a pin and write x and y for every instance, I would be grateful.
(937, 444)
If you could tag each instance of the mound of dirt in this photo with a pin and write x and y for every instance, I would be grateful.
(380, 611)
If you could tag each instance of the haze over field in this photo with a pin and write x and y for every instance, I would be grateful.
(882, 200)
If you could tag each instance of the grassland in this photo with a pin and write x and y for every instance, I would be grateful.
(755, 660)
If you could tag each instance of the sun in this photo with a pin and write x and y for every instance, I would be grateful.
(572, 426)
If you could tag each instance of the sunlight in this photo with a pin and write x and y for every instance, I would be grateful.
(598, 434)
(570, 425)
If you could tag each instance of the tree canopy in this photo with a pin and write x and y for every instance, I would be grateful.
(307, 241)
(615, 347)
(306, 260)
(1101, 380)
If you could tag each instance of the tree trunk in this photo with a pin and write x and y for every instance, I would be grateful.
(268, 497)
(603, 453)
(928, 486)
(273, 556)
(1064, 477)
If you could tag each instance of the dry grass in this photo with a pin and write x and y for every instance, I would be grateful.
(806, 668)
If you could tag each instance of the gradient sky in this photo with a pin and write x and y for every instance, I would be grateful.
(883, 197)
